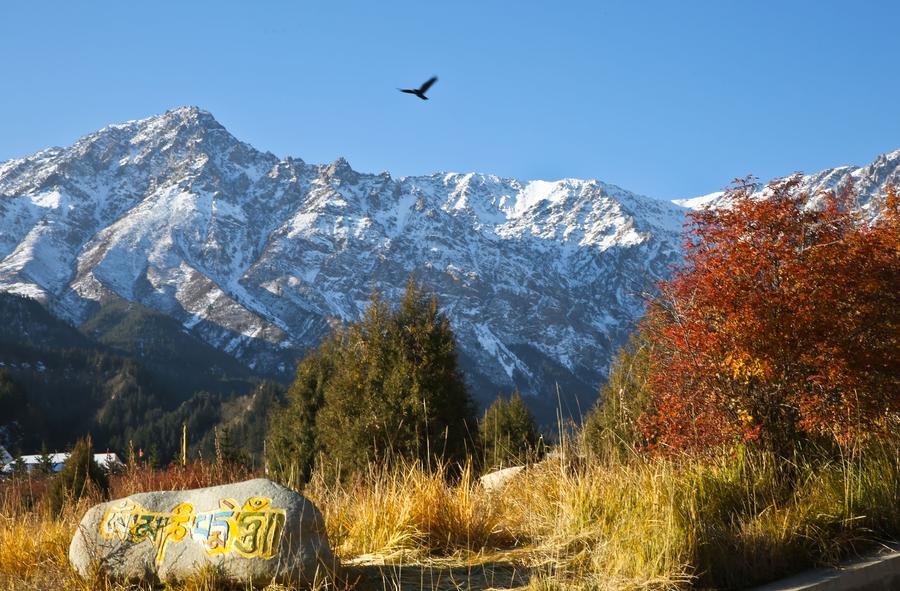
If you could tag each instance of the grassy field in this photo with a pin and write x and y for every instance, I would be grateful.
(728, 521)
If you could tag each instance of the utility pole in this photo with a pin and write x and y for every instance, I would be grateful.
(184, 444)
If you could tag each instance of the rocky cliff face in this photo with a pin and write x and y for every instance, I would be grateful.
(259, 256)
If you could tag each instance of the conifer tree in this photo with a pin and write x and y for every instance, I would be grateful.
(509, 434)
(79, 476)
(384, 388)
(19, 467)
(45, 461)
(292, 445)
(613, 424)
(11, 398)
(13, 410)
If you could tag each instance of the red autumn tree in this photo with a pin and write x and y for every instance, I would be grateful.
(782, 321)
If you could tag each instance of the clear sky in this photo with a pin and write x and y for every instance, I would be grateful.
(667, 98)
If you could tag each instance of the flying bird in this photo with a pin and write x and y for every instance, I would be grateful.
(420, 91)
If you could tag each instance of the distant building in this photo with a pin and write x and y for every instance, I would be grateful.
(107, 461)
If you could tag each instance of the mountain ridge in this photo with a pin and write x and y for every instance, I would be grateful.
(261, 256)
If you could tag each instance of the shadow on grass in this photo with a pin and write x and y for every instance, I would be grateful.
(439, 577)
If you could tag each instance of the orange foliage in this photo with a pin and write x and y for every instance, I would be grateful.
(783, 320)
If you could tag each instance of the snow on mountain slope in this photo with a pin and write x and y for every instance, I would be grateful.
(260, 256)
(869, 182)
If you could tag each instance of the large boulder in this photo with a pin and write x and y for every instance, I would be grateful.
(255, 532)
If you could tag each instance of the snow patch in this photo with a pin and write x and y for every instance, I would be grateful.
(701, 202)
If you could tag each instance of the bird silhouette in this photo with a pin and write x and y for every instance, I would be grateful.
(420, 91)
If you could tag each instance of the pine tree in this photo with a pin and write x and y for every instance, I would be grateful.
(292, 445)
(231, 453)
(384, 388)
(19, 467)
(508, 433)
(14, 410)
(613, 424)
(79, 476)
(45, 462)
(153, 457)
(12, 400)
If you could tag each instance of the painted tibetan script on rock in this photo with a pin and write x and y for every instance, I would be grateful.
(251, 530)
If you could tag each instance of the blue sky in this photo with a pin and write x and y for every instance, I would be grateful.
(669, 98)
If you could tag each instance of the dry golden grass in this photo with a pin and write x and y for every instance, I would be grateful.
(34, 543)
(564, 523)
(726, 521)
(33, 546)
(409, 512)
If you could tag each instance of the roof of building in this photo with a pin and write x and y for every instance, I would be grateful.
(105, 460)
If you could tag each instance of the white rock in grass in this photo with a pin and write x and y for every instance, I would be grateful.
(495, 481)
(256, 532)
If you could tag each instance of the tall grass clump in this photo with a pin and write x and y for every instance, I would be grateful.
(409, 510)
(595, 525)
(35, 535)
(729, 519)
(782, 516)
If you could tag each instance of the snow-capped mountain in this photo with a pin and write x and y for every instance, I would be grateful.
(259, 256)
(868, 183)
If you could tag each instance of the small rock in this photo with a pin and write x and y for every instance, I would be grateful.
(494, 481)
(255, 532)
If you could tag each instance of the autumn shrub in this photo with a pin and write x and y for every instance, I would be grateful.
(781, 325)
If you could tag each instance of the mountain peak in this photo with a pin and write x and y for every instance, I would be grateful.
(340, 169)
(185, 116)
(184, 134)
(188, 118)
(188, 110)
(192, 115)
